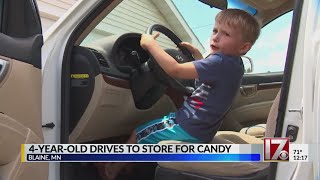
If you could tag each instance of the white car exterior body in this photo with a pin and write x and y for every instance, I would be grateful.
(52, 55)
(304, 89)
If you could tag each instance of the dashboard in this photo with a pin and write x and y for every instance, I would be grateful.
(119, 55)
(127, 54)
(120, 61)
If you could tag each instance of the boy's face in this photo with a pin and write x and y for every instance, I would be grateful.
(228, 40)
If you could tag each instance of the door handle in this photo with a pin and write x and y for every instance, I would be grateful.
(248, 90)
(4, 66)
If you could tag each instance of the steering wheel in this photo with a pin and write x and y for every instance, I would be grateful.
(183, 56)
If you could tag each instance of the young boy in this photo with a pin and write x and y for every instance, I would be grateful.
(219, 77)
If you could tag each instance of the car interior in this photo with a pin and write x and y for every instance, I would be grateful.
(115, 86)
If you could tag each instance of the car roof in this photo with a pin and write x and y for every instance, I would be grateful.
(268, 10)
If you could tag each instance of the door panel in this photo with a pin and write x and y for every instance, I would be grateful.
(20, 118)
(20, 88)
(262, 78)
(19, 94)
(253, 101)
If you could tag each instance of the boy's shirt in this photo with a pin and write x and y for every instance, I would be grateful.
(219, 81)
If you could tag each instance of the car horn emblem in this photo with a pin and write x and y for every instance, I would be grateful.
(179, 58)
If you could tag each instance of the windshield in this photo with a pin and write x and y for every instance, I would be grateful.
(192, 21)
(200, 17)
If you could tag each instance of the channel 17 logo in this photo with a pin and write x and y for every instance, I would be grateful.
(276, 149)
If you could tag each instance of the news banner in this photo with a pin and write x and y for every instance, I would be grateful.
(272, 150)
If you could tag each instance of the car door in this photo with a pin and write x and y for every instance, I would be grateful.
(20, 88)
(260, 87)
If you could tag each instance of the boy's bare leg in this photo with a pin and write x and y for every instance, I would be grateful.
(113, 169)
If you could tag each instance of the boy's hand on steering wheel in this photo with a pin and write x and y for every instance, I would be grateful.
(148, 40)
(195, 51)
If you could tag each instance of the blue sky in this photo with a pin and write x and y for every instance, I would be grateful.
(268, 53)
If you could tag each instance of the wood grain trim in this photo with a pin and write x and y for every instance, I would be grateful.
(116, 82)
(174, 95)
(265, 86)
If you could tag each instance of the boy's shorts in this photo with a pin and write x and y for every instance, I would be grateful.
(162, 129)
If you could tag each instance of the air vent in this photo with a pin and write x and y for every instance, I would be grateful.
(102, 61)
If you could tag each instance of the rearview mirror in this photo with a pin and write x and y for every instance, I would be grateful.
(220, 4)
(248, 64)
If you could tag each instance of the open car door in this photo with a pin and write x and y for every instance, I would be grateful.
(20, 88)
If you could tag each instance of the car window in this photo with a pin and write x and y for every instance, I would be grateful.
(131, 17)
(270, 50)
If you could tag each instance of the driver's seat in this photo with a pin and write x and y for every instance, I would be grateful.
(223, 170)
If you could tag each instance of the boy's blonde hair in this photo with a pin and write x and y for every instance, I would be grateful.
(237, 18)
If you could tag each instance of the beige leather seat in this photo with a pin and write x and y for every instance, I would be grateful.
(265, 130)
(257, 131)
(13, 134)
(222, 170)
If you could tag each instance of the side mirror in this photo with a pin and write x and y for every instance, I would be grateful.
(220, 4)
(248, 64)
